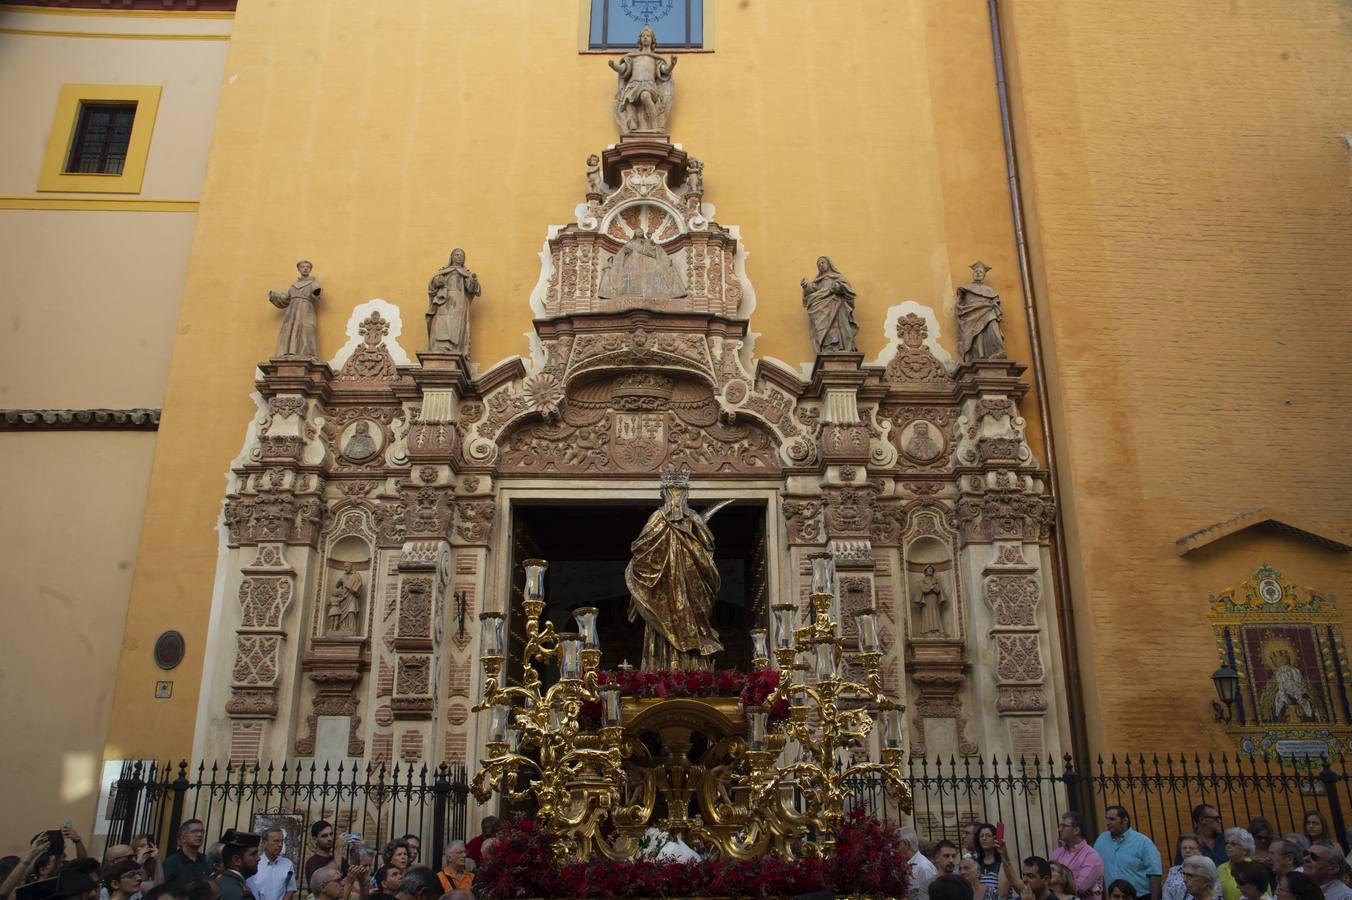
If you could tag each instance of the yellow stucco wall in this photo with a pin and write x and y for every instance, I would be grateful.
(71, 501)
(1188, 184)
(90, 300)
(372, 140)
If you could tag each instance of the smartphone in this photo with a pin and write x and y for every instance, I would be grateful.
(56, 843)
(999, 832)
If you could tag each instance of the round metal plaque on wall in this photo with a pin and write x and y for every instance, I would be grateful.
(169, 649)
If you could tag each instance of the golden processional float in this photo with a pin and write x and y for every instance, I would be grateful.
(778, 786)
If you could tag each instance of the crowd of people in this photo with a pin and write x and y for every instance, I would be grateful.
(1210, 862)
(241, 865)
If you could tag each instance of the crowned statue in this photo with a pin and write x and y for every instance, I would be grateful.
(673, 582)
(643, 95)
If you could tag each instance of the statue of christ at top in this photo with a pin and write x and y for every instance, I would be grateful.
(673, 582)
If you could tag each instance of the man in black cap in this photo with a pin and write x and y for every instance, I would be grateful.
(240, 860)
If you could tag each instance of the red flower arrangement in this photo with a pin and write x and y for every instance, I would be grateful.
(867, 861)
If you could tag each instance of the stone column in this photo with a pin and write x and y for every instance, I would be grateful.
(1004, 518)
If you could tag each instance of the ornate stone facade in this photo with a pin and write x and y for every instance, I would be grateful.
(915, 475)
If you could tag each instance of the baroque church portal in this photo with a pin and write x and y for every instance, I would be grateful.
(377, 500)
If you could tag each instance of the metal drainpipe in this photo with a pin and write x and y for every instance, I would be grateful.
(1079, 737)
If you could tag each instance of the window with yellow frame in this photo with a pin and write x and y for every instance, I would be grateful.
(100, 138)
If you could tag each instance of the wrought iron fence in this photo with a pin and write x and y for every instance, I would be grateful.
(1159, 794)
(1028, 795)
(378, 802)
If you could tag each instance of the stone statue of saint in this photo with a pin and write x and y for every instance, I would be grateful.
(450, 292)
(361, 445)
(829, 301)
(344, 608)
(641, 270)
(298, 337)
(930, 605)
(643, 96)
(673, 583)
(978, 311)
(594, 183)
(922, 446)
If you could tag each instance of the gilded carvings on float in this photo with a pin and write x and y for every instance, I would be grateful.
(1286, 645)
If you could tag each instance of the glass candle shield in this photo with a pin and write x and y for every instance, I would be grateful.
(535, 579)
(823, 574)
(867, 625)
(570, 656)
(490, 634)
(826, 660)
(759, 647)
(756, 720)
(610, 705)
(500, 716)
(586, 627)
(891, 728)
(783, 613)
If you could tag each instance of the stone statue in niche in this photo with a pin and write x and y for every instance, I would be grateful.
(344, 607)
(673, 582)
(829, 301)
(929, 604)
(450, 292)
(978, 311)
(298, 336)
(644, 93)
(594, 183)
(922, 447)
(641, 270)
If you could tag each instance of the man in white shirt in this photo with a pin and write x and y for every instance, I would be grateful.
(276, 875)
(1324, 863)
(922, 870)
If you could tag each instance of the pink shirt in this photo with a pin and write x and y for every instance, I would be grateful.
(1087, 865)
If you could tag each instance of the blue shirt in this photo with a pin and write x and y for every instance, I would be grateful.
(1133, 857)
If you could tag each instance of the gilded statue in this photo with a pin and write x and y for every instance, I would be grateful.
(930, 605)
(641, 270)
(450, 292)
(978, 311)
(829, 301)
(344, 608)
(673, 583)
(644, 93)
(298, 335)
